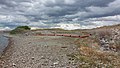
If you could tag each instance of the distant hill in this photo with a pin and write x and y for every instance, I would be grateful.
(112, 26)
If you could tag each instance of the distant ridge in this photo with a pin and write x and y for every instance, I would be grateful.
(111, 26)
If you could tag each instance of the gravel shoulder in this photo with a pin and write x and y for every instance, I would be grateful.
(39, 52)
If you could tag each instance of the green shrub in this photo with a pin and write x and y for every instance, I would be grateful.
(20, 29)
(23, 27)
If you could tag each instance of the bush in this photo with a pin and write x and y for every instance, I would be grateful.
(20, 29)
(23, 27)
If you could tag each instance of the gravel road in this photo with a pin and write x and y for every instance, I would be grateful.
(40, 52)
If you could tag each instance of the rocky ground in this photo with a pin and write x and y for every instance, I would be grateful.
(100, 50)
(108, 39)
(40, 52)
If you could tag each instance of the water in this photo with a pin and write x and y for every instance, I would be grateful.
(3, 43)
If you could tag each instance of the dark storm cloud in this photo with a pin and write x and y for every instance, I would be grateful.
(8, 3)
(41, 12)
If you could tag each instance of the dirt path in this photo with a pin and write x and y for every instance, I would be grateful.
(40, 52)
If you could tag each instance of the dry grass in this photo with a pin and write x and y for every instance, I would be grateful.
(90, 55)
(91, 58)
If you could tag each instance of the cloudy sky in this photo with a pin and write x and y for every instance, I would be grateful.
(73, 14)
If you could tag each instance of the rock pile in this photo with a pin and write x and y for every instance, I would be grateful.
(109, 39)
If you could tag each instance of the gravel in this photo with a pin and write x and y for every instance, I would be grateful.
(40, 52)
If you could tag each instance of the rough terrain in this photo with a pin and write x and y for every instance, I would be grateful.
(40, 52)
(33, 50)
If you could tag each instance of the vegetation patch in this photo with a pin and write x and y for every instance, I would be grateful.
(90, 55)
(20, 29)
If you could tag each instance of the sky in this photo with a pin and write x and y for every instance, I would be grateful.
(66, 14)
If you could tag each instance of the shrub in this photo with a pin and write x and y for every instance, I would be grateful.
(23, 27)
(20, 29)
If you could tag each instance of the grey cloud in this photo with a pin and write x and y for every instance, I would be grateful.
(57, 11)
